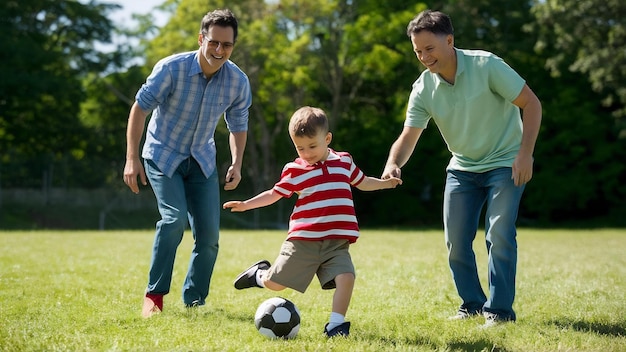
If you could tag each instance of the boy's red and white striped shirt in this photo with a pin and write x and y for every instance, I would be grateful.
(324, 209)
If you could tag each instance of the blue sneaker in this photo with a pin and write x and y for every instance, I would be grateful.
(340, 330)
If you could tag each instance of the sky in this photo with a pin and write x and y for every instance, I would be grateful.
(136, 6)
(123, 17)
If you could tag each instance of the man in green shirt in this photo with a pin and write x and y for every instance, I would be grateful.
(475, 98)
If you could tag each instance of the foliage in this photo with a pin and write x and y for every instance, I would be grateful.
(51, 45)
(64, 105)
(588, 37)
(105, 114)
(576, 173)
(86, 294)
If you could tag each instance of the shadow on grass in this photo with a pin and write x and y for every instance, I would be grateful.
(218, 312)
(604, 329)
(478, 345)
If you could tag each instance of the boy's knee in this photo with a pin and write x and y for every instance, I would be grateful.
(345, 278)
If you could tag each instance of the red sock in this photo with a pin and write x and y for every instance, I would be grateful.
(157, 299)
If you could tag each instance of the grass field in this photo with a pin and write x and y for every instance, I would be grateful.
(82, 291)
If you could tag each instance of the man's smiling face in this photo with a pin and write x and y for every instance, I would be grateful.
(216, 46)
(435, 51)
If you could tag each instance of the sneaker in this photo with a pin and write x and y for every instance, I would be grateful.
(340, 330)
(493, 319)
(152, 304)
(247, 278)
(194, 304)
(464, 313)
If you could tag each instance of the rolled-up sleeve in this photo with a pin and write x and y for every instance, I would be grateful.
(151, 93)
(236, 116)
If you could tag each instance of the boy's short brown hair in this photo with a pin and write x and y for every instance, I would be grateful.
(308, 122)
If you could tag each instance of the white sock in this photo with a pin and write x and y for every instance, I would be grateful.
(259, 279)
(336, 319)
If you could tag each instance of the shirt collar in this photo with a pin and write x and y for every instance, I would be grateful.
(460, 62)
(460, 67)
(195, 68)
(331, 156)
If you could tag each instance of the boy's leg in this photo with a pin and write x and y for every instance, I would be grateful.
(271, 285)
(337, 272)
(337, 325)
(294, 267)
(343, 293)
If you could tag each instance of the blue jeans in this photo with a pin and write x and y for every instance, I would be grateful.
(188, 195)
(464, 197)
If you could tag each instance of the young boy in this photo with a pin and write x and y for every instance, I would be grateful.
(323, 223)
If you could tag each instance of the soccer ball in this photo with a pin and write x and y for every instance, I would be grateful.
(277, 317)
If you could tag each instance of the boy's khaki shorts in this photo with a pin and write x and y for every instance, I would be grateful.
(299, 260)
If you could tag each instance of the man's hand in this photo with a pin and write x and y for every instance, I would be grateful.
(522, 169)
(233, 177)
(132, 169)
(391, 171)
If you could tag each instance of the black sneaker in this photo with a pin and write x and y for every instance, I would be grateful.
(341, 330)
(464, 313)
(247, 278)
(194, 304)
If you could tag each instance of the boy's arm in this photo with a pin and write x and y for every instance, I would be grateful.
(373, 184)
(261, 200)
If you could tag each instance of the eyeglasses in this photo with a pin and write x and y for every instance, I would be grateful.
(214, 44)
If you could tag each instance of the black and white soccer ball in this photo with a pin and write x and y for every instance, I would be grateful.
(277, 317)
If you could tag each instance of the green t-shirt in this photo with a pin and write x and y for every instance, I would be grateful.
(478, 122)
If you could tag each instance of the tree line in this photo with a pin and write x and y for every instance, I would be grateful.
(64, 105)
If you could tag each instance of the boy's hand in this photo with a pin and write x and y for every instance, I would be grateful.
(234, 206)
(393, 182)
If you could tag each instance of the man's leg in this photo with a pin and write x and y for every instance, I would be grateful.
(502, 209)
(204, 217)
(463, 201)
(169, 193)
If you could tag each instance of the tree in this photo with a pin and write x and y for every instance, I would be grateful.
(577, 159)
(355, 61)
(104, 113)
(589, 37)
(51, 45)
(322, 52)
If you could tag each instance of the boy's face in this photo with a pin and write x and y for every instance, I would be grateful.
(312, 149)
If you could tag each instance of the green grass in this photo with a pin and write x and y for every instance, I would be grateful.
(82, 291)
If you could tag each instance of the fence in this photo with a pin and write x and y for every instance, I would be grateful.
(66, 208)
(47, 203)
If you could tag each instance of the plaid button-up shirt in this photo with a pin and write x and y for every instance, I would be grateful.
(186, 108)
